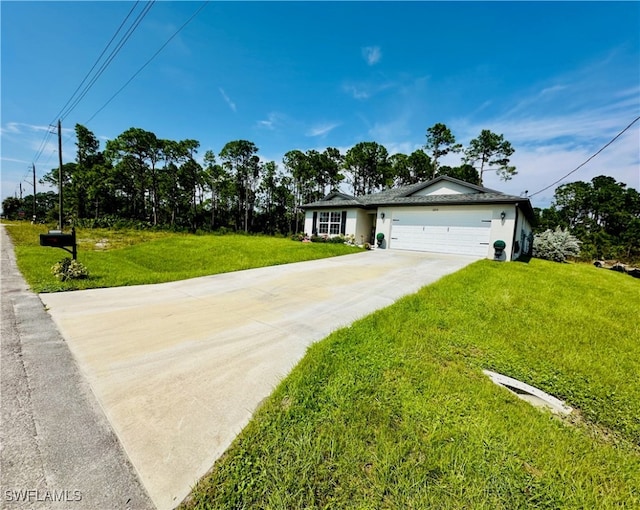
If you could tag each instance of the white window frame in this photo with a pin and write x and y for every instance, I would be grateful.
(329, 222)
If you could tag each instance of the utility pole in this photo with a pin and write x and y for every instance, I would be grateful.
(60, 226)
(34, 192)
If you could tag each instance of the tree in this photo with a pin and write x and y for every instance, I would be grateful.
(241, 161)
(91, 180)
(463, 172)
(440, 142)
(603, 214)
(218, 181)
(11, 207)
(369, 167)
(135, 154)
(298, 165)
(492, 153)
(267, 191)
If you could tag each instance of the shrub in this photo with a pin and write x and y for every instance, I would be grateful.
(555, 245)
(337, 239)
(69, 269)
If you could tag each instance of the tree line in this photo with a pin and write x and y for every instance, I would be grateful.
(603, 214)
(141, 178)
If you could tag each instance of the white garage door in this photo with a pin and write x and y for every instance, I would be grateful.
(461, 232)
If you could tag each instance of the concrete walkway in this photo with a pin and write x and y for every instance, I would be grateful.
(57, 449)
(180, 367)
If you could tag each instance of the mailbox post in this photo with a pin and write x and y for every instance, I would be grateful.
(58, 239)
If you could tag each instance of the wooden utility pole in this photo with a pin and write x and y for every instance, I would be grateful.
(34, 192)
(60, 226)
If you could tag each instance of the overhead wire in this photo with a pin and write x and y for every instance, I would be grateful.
(148, 61)
(196, 12)
(66, 109)
(588, 159)
(59, 114)
(110, 58)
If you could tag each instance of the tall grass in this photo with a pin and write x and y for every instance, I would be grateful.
(394, 411)
(129, 257)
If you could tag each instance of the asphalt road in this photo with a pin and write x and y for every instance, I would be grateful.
(57, 448)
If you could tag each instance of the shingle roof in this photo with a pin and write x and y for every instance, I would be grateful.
(402, 195)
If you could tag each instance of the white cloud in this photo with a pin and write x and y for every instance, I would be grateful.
(13, 160)
(372, 54)
(273, 121)
(357, 92)
(20, 127)
(231, 104)
(322, 129)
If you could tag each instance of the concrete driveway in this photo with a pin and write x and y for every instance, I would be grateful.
(180, 367)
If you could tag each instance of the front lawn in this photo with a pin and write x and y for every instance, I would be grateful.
(394, 411)
(130, 257)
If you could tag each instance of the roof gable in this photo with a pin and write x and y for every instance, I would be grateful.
(445, 185)
(336, 195)
(443, 190)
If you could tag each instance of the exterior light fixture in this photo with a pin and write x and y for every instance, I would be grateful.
(503, 215)
(382, 215)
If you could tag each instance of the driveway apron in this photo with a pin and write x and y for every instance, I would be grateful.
(180, 367)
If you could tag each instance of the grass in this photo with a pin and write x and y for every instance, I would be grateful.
(129, 257)
(394, 412)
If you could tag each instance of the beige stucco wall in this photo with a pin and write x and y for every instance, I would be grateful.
(359, 221)
(500, 229)
(445, 188)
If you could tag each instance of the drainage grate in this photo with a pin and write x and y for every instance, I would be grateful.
(529, 393)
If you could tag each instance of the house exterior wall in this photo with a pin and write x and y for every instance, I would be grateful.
(502, 230)
(514, 227)
(308, 222)
(364, 222)
(499, 229)
(444, 188)
(357, 221)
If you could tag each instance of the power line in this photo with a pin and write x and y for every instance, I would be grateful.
(66, 109)
(57, 116)
(197, 11)
(588, 159)
(112, 55)
(149, 61)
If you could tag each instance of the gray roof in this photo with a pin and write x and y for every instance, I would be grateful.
(402, 196)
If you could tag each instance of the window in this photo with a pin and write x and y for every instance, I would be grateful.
(329, 222)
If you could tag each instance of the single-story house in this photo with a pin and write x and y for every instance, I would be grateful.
(443, 215)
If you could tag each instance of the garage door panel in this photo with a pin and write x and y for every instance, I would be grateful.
(465, 233)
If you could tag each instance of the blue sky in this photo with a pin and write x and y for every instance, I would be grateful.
(558, 80)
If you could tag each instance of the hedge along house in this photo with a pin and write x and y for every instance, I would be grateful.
(444, 215)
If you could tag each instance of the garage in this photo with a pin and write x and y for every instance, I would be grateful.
(460, 232)
(443, 215)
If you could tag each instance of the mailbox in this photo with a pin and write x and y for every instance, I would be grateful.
(58, 239)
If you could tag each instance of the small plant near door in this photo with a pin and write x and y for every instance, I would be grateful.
(379, 238)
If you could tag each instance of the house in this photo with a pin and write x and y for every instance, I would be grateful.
(443, 215)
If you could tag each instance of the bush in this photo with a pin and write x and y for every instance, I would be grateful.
(69, 269)
(555, 245)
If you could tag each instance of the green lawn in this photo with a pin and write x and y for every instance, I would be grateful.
(129, 257)
(394, 411)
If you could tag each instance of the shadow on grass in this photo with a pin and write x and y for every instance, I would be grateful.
(524, 258)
